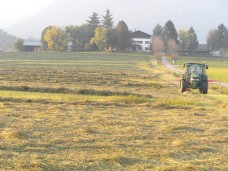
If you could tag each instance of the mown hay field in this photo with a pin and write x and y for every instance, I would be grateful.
(101, 111)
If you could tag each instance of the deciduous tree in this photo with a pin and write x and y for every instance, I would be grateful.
(112, 38)
(56, 38)
(188, 40)
(44, 44)
(213, 39)
(78, 36)
(100, 38)
(158, 48)
(217, 39)
(184, 39)
(172, 49)
(123, 36)
(18, 45)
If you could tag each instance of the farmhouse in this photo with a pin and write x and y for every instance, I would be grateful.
(141, 42)
(32, 46)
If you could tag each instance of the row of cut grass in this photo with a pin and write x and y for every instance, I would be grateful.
(117, 99)
(34, 96)
(63, 90)
(47, 96)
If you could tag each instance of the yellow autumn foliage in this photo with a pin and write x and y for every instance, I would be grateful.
(56, 38)
(100, 38)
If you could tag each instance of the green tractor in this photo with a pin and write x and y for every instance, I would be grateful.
(194, 78)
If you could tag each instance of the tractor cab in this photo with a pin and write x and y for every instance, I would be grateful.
(195, 68)
(194, 77)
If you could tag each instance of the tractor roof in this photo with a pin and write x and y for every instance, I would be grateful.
(191, 63)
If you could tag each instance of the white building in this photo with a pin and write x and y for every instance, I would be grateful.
(141, 42)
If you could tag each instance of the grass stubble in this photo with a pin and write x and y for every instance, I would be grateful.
(120, 112)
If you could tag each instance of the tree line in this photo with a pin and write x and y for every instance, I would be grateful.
(101, 34)
(166, 39)
(95, 34)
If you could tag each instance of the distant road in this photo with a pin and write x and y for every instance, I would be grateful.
(171, 67)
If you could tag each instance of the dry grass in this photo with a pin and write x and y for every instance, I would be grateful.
(100, 111)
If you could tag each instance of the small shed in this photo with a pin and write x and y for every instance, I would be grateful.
(32, 46)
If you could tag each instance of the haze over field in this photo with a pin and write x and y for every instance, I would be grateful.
(203, 15)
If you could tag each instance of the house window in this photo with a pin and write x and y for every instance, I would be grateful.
(146, 48)
(139, 42)
(147, 42)
(139, 48)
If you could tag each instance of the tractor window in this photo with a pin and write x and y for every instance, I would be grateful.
(196, 69)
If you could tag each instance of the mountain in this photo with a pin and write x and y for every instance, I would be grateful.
(6, 40)
(142, 15)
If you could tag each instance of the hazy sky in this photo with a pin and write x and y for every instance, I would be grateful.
(28, 18)
(12, 11)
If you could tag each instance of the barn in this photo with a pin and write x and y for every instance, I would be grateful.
(32, 46)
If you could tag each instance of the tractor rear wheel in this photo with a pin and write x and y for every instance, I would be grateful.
(204, 89)
(183, 86)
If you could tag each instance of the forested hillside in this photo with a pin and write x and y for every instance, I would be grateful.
(6, 40)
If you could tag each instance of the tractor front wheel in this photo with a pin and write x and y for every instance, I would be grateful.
(204, 89)
(183, 86)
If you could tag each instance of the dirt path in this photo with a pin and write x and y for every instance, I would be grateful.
(171, 67)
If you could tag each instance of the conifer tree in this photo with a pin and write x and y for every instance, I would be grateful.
(193, 42)
(107, 20)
